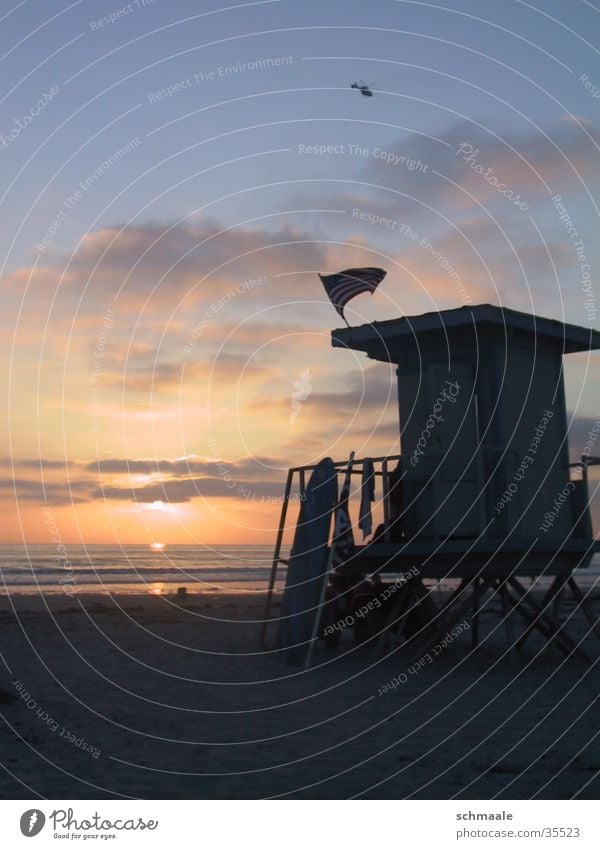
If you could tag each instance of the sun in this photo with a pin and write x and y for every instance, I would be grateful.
(159, 506)
(157, 546)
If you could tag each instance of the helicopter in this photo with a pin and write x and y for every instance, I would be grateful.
(363, 88)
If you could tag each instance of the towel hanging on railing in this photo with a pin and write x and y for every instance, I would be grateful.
(367, 495)
(343, 538)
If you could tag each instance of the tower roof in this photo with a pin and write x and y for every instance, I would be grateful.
(377, 339)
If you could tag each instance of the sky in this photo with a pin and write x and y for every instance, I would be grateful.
(174, 176)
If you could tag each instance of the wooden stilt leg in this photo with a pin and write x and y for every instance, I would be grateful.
(507, 609)
(475, 614)
(445, 620)
(455, 594)
(537, 618)
(400, 610)
(555, 588)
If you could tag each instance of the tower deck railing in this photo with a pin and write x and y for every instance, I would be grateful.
(383, 466)
(297, 475)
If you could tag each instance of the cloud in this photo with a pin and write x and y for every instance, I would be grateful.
(332, 403)
(165, 376)
(182, 479)
(525, 162)
(168, 276)
(45, 492)
(256, 340)
(165, 265)
(184, 466)
(179, 491)
(38, 464)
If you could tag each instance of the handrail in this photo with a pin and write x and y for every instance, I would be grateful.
(276, 553)
(341, 467)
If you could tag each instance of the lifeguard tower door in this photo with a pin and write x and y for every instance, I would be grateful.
(443, 480)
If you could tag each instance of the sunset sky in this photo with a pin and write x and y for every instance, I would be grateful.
(165, 213)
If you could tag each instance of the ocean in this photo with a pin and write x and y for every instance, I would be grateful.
(136, 569)
(140, 569)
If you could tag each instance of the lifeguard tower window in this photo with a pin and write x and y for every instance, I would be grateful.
(482, 416)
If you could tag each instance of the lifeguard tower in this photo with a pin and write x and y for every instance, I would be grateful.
(484, 490)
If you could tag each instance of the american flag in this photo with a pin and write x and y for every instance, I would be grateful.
(344, 286)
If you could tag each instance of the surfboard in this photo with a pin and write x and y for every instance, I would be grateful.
(308, 562)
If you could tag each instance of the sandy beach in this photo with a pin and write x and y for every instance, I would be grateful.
(136, 697)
